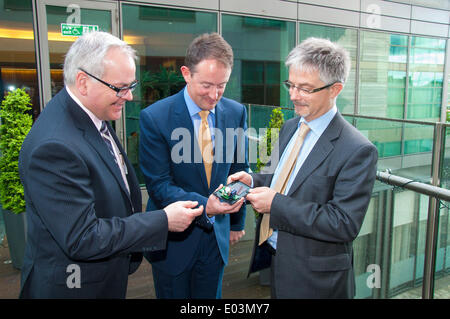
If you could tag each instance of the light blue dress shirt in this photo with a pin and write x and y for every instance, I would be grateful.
(194, 109)
(317, 127)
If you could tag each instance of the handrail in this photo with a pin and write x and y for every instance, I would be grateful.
(392, 119)
(435, 193)
(369, 117)
(426, 189)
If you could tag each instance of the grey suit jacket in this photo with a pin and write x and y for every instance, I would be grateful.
(322, 213)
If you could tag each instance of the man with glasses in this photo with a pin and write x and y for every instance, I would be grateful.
(186, 154)
(313, 204)
(85, 235)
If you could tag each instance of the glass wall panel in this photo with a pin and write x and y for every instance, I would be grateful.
(348, 38)
(418, 138)
(448, 100)
(260, 47)
(426, 69)
(442, 276)
(408, 243)
(386, 135)
(17, 50)
(403, 148)
(161, 37)
(382, 72)
(365, 249)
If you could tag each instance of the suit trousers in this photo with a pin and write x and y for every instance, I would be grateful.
(202, 279)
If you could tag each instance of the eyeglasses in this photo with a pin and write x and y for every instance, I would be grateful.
(288, 85)
(120, 92)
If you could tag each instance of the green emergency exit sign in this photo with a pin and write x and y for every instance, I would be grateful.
(76, 30)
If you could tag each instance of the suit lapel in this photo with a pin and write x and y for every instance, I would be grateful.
(319, 152)
(285, 138)
(92, 136)
(182, 119)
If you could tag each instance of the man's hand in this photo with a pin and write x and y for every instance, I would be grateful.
(235, 236)
(242, 176)
(215, 207)
(261, 199)
(181, 214)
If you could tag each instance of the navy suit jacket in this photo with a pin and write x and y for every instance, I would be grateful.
(321, 215)
(78, 209)
(173, 168)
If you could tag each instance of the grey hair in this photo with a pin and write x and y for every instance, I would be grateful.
(315, 54)
(88, 52)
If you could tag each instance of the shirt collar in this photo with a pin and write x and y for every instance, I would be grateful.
(193, 108)
(319, 124)
(97, 122)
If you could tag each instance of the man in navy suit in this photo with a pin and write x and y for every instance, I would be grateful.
(175, 169)
(85, 234)
(322, 207)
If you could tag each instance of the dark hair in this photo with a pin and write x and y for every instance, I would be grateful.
(208, 46)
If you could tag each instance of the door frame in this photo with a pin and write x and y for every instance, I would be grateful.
(43, 54)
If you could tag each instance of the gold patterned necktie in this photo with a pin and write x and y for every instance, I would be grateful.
(205, 143)
(283, 178)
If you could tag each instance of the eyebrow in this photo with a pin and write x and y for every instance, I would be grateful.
(301, 84)
(123, 84)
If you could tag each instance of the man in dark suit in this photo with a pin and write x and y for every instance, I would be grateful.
(177, 167)
(84, 233)
(307, 225)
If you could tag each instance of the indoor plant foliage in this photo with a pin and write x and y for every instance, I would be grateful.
(15, 125)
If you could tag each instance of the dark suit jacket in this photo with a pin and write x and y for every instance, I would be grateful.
(321, 215)
(168, 150)
(78, 209)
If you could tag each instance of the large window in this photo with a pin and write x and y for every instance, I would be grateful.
(426, 71)
(382, 72)
(260, 48)
(17, 51)
(348, 38)
(161, 37)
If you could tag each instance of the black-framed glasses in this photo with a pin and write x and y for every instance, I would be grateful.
(120, 92)
(288, 85)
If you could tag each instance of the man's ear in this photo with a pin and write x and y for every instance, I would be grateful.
(186, 73)
(81, 82)
(336, 89)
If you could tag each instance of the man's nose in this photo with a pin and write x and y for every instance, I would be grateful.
(295, 94)
(128, 96)
(214, 93)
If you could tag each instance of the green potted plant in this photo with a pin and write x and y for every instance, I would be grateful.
(265, 150)
(15, 125)
(276, 122)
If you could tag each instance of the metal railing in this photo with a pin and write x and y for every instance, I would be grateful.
(435, 193)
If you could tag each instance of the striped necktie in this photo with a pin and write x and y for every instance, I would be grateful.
(107, 138)
(283, 179)
(104, 132)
